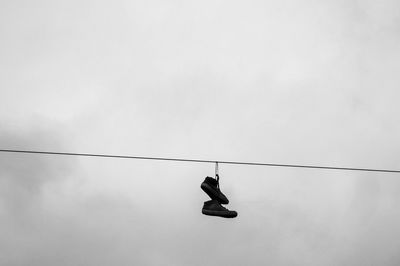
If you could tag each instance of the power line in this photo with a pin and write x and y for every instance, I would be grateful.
(200, 161)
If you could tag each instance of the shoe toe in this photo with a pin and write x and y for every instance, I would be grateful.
(223, 199)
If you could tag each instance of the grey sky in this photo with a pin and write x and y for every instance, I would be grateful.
(313, 82)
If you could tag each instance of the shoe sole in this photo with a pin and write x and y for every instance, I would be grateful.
(218, 213)
(212, 193)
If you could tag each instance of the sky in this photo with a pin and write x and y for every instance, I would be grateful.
(292, 82)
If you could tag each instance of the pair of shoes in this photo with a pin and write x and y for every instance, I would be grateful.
(213, 207)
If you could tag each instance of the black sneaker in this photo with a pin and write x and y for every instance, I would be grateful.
(210, 186)
(214, 208)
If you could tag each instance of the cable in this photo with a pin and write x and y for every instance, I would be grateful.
(201, 161)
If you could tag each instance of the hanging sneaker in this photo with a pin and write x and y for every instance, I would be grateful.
(210, 186)
(214, 208)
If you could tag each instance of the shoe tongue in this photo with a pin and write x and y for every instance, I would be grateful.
(216, 204)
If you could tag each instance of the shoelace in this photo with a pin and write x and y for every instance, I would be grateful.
(217, 174)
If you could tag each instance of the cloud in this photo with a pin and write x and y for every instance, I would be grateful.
(23, 176)
(296, 82)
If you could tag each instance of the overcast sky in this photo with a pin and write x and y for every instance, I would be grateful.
(295, 82)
